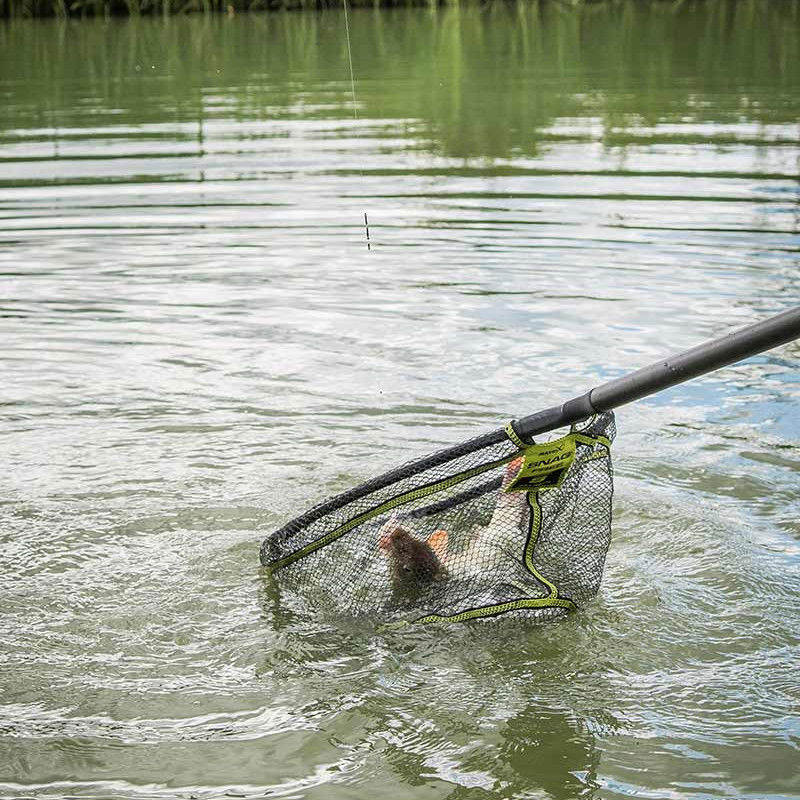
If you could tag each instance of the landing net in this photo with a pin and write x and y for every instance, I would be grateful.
(495, 525)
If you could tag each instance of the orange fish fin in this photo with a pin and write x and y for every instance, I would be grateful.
(514, 466)
(512, 469)
(438, 542)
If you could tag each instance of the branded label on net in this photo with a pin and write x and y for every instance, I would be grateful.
(545, 465)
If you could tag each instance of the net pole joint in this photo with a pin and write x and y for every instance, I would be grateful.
(578, 409)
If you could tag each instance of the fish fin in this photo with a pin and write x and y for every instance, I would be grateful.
(438, 542)
(512, 469)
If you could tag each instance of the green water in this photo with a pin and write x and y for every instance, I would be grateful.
(197, 345)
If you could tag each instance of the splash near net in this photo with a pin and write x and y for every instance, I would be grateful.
(496, 525)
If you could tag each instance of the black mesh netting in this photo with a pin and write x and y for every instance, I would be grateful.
(442, 538)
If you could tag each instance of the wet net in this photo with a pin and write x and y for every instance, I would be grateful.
(496, 525)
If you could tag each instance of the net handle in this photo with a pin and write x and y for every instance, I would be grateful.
(662, 374)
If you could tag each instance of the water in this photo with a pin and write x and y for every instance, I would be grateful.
(198, 345)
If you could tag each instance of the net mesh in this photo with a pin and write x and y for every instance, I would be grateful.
(491, 526)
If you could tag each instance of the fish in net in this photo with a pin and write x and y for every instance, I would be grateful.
(493, 526)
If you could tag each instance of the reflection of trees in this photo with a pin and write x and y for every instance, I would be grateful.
(545, 752)
(542, 752)
(478, 82)
(498, 704)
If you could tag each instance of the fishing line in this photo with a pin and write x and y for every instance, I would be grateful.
(350, 61)
(353, 93)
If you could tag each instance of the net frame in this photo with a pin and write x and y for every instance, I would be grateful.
(433, 487)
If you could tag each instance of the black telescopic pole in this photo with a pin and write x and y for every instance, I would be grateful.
(667, 372)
